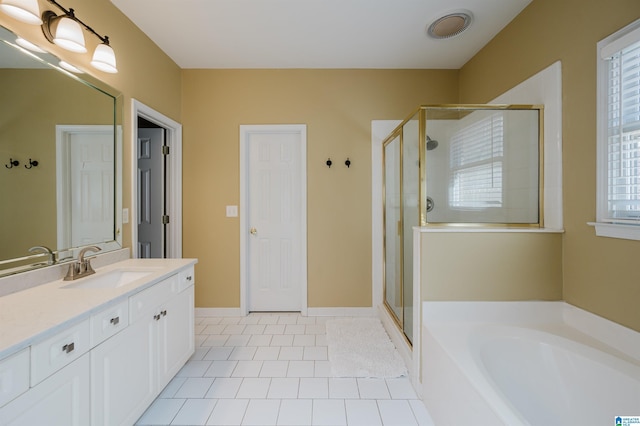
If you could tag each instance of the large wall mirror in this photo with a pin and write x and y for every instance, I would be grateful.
(60, 149)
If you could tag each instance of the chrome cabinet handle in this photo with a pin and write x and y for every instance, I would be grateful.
(156, 317)
(253, 231)
(189, 278)
(164, 313)
(69, 347)
(115, 321)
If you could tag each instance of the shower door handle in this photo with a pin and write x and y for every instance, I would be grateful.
(253, 231)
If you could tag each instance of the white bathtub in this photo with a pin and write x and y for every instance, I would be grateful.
(527, 363)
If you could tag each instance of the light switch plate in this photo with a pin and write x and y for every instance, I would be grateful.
(232, 211)
(125, 215)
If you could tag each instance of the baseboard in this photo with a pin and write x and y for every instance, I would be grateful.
(218, 312)
(312, 312)
(341, 312)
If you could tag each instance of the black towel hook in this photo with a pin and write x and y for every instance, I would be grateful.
(12, 163)
(33, 163)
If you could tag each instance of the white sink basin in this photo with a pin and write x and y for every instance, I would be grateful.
(112, 279)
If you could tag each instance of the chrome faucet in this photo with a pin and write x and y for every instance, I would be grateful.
(51, 258)
(81, 267)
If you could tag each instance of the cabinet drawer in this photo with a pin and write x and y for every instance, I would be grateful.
(14, 376)
(109, 322)
(147, 300)
(58, 351)
(186, 278)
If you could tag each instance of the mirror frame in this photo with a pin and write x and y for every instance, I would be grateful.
(11, 266)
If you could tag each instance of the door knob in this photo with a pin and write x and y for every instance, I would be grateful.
(253, 231)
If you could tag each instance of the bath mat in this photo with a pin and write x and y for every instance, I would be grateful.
(360, 347)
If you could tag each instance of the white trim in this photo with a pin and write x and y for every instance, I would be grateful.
(341, 312)
(174, 176)
(416, 331)
(619, 40)
(545, 88)
(601, 135)
(616, 230)
(218, 312)
(604, 226)
(245, 130)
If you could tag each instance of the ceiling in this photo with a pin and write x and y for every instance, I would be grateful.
(315, 33)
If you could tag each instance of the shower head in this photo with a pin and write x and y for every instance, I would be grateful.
(431, 143)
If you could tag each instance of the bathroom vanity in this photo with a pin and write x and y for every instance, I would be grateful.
(97, 350)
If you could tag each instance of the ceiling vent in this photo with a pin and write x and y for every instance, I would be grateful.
(450, 25)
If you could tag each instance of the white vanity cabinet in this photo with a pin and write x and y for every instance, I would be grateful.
(130, 369)
(109, 366)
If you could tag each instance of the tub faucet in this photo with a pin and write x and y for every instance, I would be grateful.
(51, 258)
(81, 267)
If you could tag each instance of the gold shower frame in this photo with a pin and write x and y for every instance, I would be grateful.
(398, 132)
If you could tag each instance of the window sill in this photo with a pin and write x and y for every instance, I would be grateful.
(616, 230)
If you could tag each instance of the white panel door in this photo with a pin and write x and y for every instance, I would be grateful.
(275, 218)
(92, 196)
(151, 193)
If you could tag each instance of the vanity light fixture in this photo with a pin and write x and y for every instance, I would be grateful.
(64, 30)
(26, 11)
(59, 30)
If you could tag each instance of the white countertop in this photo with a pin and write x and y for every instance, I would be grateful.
(32, 315)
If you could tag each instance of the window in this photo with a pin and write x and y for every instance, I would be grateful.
(618, 210)
(476, 164)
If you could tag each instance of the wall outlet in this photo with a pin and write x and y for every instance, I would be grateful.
(232, 211)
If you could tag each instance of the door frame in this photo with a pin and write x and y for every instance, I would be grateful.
(245, 132)
(63, 190)
(174, 177)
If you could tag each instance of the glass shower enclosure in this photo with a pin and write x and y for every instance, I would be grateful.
(456, 166)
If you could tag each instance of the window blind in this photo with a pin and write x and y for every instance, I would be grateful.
(623, 133)
(476, 158)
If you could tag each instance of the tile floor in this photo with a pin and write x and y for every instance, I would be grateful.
(272, 369)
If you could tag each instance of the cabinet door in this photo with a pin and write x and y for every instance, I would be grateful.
(123, 377)
(14, 376)
(176, 335)
(61, 399)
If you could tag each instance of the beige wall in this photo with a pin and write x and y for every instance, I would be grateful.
(600, 274)
(491, 266)
(145, 72)
(337, 106)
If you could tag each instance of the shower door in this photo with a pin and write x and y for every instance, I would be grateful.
(393, 248)
(401, 214)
